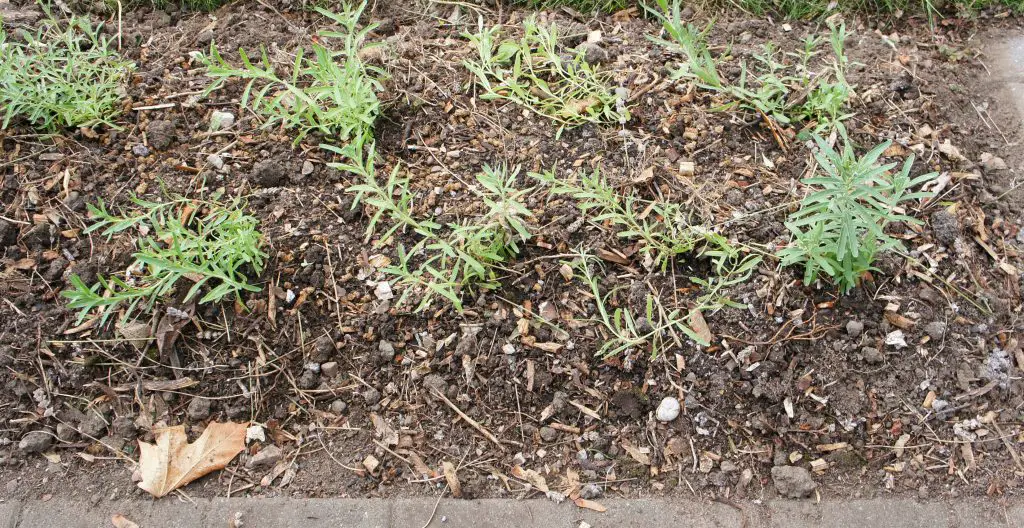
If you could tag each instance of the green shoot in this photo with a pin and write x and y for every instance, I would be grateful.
(62, 76)
(332, 93)
(213, 245)
(533, 73)
(840, 226)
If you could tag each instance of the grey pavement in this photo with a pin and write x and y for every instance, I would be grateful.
(172, 512)
(1009, 68)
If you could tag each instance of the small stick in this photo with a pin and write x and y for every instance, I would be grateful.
(469, 420)
(396, 455)
(1009, 446)
(154, 107)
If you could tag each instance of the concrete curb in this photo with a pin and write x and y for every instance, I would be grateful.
(504, 513)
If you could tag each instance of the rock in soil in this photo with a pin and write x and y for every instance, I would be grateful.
(338, 406)
(36, 442)
(559, 402)
(668, 410)
(548, 434)
(386, 350)
(593, 53)
(66, 433)
(161, 134)
(935, 330)
(627, 404)
(268, 173)
(330, 369)
(199, 408)
(308, 379)
(434, 382)
(92, 426)
(267, 457)
(591, 491)
(323, 349)
(371, 395)
(945, 226)
(8, 234)
(221, 120)
(793, 482)
(872, 355)
(854, 328)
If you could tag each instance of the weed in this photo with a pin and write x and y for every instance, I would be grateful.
(777, 92)
(444, 260)
(812, 9)
(531, 72)
(582, 6)
(658, 327)
(62, 76)
(323, 94)
(211, 244)
(663, 227)
(840, 226)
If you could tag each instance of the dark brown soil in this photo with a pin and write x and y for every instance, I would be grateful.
(803, 374)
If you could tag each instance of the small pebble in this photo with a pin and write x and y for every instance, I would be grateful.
(668, 410)
(854, 328)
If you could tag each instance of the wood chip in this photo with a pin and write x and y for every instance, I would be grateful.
(452, 478)
(901, 444)
(590, 505)
(585, 410)
(929, 399)
(967, 452)
(826, 448)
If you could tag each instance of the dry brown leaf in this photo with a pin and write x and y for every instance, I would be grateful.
(700, 326)
(387, 434)
(899, 321)
(590, 505)
(120, 521)
(637, 454)
(531, 476)
(172, 462)
(168, 329)
(452, 478)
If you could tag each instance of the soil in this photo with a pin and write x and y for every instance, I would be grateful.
(801, 377)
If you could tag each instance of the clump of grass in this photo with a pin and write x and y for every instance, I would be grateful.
(533, 72)
(445, 260)
(64, 75)
(777, 92)
(814, 9)
(582, 6)
(214, 246)
(331, 92)
(656, 329)
(839, 229)
(663, 227)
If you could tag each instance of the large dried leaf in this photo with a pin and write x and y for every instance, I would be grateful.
(172, 462)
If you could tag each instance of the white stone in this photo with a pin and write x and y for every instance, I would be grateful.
(221, 120)
(668, 410)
